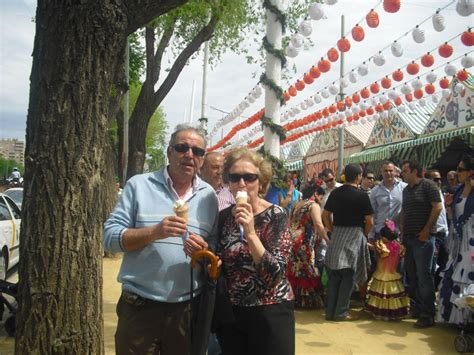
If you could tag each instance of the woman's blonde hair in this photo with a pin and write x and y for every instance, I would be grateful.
(264, 167)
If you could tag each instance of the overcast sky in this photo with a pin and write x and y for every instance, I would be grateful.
(231, 80)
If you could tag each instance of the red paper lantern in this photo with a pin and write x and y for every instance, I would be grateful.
(299, 85)
(374, 88)
(413, 68)
(467, 38)
(356, 98)
(444, 83)
(418, 94)
(355, 116)
(365, 93)
(340, 105)
(391, 6)
(319, 115)
(308, 79)
(429, 89)
(344, 45)
(292, 91)
(286, 95)
(324, 65)
(333, 55)
(362, 113)
(358, 33)
(462, 75)
(379, 108)
(409, 97)
(350, 119)
(398, 101)
(348, 101)
(325, 112)
(387, 105)
(314, 72)
(372, 19)
(386, 82)
(370, 111)
(397, 75)
(332, 109)
(427, 60)
(445, 50)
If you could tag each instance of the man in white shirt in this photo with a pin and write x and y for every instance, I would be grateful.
(330, 184)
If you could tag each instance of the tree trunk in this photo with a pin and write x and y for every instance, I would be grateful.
(68, 179)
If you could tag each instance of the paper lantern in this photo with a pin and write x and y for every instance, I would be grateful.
(325, 112)
(383, 99)
(386, 82)
(402, 109)
(316, 11)
(333, 55)
(462, 75)
(309, 102)
(374, 88)
(435, 99)
(418, 35)
(344, 45)
(365, 93)
(355, 109)
(363, 69)
(431, 77)
(305, 28)
(413, 68)
(324, 65)
(446, 93)
(391, 6)
(299, 85)
(467, 61)
(330, 2)
(317, 99)
(286, 95)
(344, 82)
(467, 38)
(412, 106)
(291, 51)
(397, 49)
(392, 94)
(341, 106)
(332, 109)
(379, 59)
(358, 33)
(430, 89)
(372, 19)
(445, 50)
(308, 79)
(333, 89)
(422, 102)
(465, 7)
(364, 106)
(348, 101)
(292, 91)
(370, 111)
(348, 113)
(417, 84)
(418, 93)
(356, 98)
(297, 40)
(303, 105)
(353, 77)
(450, 69)
(397, 75)
(387, 105)
(444, 83)
(379, 108)
(409, 97)
(398, 101)
(314, 72)
(438, 22)
(325, 93)
(427, 60)
(362, 113)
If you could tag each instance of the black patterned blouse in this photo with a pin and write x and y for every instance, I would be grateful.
(266, 283)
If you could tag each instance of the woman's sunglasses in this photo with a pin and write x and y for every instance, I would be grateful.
(183, 148)
(246, 177)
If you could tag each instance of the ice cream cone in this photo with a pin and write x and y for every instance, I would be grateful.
(241, 197)
(181, 208)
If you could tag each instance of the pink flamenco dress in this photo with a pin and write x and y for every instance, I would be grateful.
(386, 296)
(303, 275)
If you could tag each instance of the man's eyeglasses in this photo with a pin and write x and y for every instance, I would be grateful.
(329, 181)
(183, 148)
(460, 169)
(437, 179)
(246, 177)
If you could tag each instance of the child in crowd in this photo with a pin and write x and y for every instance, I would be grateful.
(386, 296)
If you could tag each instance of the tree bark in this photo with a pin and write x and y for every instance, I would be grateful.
(69, 187)
(149, 100)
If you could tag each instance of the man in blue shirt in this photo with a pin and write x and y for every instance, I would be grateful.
(154, 310)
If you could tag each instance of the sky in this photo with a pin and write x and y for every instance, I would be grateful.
(231, 80)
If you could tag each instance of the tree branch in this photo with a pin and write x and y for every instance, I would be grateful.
(164, 42)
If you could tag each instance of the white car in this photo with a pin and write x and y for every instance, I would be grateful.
(16, 194)
(10, 219)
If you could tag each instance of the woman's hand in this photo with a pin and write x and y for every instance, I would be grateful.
(244, 217)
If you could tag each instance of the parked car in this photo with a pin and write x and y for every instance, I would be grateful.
(10, 220)
(16, 194)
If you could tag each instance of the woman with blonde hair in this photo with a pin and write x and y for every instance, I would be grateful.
(254, 245)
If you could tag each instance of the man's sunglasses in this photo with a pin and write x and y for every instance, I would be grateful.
(246, 177)
(183, 148)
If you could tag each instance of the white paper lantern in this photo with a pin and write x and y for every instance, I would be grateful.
(309, 102)
(340, 116)
(344, 82)
(384, 114)
(393, 111)
(465, 7)
(467, 61)
(445, 93)
(363, 106)
(379, 59)
(458, 88)
(317, 98)
(402, 109)
(374, 101)
(333, 89)
(412, 105)
(330, 2)
(363, 120)
(406, 89)
(353, 77)
(291, 51)
(325, 93)
(438, 22)
(292, 114)
(422, 102)
(417, 84)
(450, 69)
(397, 49)
(431, 77)
(392, 94)
(376, 116)
(383, 99)
(303, 105)
(363, 69)
(435, 98)
(250, 100)
(306, 28)
(246, 104)
(297, 40)
(316, 11)
(355, 109)
(258, 90)
(285, 115)
(418, 35)
(241, 106)
(348, 113)
(296, 110)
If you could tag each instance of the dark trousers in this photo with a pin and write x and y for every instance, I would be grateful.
(441, 256)
(150, 327)
(418, 267)
(341, 284)
(260, 330)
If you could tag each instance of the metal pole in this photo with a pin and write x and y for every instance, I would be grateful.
(191, 109)
(125, 114)
(204, 80)
(340, 151)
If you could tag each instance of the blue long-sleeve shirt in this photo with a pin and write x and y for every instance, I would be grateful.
(159, 271)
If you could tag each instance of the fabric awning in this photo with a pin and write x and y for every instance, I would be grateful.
(295, 165)
(368, 155)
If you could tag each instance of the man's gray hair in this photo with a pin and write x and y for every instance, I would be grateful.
(187, 127)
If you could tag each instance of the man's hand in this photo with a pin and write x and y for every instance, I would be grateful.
(172, 226)
(193, 244)
(424, 235)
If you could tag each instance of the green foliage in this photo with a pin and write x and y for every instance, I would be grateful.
(137, 57)
(279, 170)
(7, 165)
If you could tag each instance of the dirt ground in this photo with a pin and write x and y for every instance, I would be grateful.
(314, 335)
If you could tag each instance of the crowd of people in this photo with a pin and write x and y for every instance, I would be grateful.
(280, 249)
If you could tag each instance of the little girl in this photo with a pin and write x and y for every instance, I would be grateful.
(386, 296)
